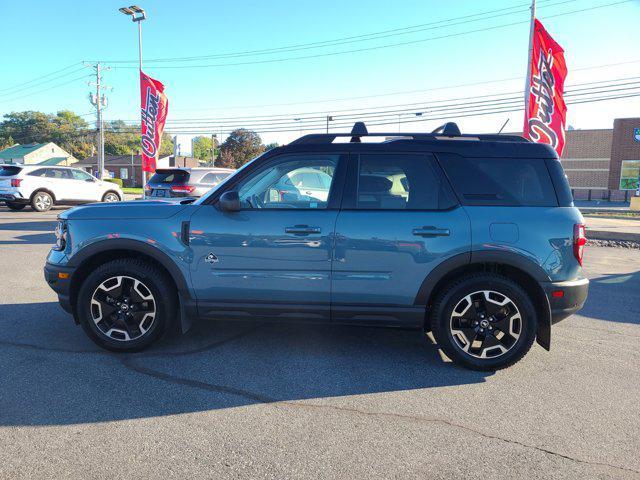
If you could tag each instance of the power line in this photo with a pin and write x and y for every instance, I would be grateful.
(399, 108)
(356, 38)
(41, 83)
(39, 77)
(389, 94)
(44, 90)
(384, 46)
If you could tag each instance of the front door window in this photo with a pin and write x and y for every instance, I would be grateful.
(300, 182)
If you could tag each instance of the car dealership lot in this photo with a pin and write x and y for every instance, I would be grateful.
(293, 401)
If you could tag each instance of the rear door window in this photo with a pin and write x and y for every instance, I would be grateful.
(500, 181)
(401, 182)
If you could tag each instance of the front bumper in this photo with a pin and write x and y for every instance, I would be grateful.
(59, 279)
(566, 298)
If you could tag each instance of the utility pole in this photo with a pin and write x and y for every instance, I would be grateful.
(99, 100)
(329, 119)
(213, 149)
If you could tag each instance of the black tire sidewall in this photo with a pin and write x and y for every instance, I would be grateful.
(450, 298)
(152, 278)
(15, 207)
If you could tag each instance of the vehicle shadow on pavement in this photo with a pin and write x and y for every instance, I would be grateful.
(51, 374)
(31, 239)
(45, 225)
(609, 298)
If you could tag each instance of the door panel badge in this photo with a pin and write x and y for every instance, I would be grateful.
(211, 258)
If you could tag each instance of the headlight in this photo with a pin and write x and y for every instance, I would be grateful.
(61, 235)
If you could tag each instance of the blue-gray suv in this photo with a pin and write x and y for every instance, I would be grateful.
(473, 238)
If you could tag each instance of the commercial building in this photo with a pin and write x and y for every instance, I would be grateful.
(129, 167)
(604, 164)
(37, 154)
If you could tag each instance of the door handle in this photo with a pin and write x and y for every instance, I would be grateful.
(302, 230)
(431, 232)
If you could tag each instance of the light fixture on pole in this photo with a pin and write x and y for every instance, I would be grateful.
(137, 15)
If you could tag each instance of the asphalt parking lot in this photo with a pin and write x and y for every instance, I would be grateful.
(284, 401)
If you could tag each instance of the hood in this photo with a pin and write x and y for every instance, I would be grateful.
(138, 209)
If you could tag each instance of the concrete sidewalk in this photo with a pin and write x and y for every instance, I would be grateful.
(613, 229)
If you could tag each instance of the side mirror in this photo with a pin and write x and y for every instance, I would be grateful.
(230, 201)
(89, 180)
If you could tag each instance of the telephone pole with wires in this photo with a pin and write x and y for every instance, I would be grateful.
(99, 100)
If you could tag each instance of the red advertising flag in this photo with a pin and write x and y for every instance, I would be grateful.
(544, 120)
(154, 107)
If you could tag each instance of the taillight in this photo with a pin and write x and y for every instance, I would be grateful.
(579, 241)
(15, 182)
(182, 188)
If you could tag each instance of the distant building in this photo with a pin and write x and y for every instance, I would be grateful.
(37, 154)
(129, 167)
(603, 163)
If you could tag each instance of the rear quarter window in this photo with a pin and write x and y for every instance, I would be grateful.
(516, 182)
(9, 171)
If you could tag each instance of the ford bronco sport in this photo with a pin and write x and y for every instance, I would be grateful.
(472, 237)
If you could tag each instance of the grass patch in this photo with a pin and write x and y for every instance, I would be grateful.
(132, 191)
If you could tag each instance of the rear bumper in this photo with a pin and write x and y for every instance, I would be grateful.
(566, 298)
(13, 198)
(59, 279)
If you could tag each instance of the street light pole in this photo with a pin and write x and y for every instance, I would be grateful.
(138, 15)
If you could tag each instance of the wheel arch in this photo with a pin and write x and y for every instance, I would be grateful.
(42, 189)
(520, 269)
(121, 197)
(94, 255)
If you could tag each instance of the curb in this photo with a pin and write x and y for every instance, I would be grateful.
(613, 236)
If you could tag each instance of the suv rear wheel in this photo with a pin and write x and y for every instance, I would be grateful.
(125, 305)
(41, 202)
(484, 321)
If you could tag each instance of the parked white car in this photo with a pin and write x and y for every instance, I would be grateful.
(42, 187)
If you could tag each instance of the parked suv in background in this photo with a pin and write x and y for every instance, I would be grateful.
(472, 237)
(185, 182)
(43, 187)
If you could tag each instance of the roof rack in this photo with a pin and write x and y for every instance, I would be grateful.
(448, 131)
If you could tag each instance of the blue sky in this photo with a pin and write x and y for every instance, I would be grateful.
(53, 35)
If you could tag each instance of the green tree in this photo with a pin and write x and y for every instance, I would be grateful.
(240, 146)
(65, 128)
(122, 139)
(202, 148)
(269, 146)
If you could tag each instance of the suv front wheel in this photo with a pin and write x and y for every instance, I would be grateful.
(42, 201)
(484, 321)
(125, 305)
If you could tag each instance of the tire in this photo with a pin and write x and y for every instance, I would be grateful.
(486, 300)
(111, 196)
(147, 292)
(41, 201)
(16, 207)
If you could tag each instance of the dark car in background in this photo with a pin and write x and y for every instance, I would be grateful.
(185, 182)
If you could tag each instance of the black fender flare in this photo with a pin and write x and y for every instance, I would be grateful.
(500, 257)
(186, 304)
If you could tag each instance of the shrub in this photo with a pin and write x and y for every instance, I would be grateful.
(117, 181)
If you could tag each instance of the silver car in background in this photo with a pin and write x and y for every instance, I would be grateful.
(185, 182)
